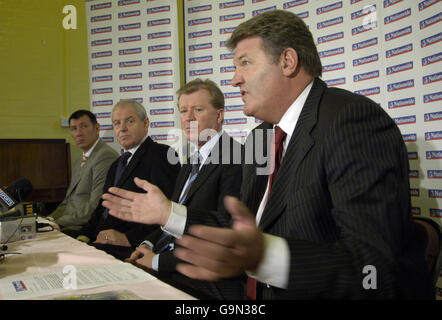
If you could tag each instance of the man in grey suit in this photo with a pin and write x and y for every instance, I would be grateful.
(88, 174)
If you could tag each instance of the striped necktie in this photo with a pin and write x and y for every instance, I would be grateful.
(83, 161)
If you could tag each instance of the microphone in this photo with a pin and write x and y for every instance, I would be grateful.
(15, 193)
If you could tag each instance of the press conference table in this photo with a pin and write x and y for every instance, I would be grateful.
(44, 259)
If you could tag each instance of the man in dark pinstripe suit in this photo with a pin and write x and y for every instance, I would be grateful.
(336, 221)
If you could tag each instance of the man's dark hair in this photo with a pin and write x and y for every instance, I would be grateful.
(280, 30)
(79, 113)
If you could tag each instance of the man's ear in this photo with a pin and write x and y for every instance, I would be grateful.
(289, 62)
(146, 123)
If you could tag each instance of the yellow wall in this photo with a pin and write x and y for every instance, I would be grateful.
(43, 68)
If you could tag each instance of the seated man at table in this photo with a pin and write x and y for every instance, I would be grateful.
(142, 158)
(88, 174)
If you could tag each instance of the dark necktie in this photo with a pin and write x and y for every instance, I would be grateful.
(275, 162)
(166, 242)
(121, 166)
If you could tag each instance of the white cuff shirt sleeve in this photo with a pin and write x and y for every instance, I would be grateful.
(177, 220)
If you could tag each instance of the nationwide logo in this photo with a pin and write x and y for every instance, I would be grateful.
(107, 139)
(400, 85)
(434, 135)
(131, 88)
(227, 69)
(433, 154)
(162, 124)
(238, 107)
(303, 15)
(333, 67)
(366, 76)
(363, 28)
(335, 82)
(369, 91)
(157, 35)
(101, 42)
(415, 211)
(432, 97)
(388, 3)
(157, 86)
(405, 120)
(131, 76)
(330, 7)
(414, 192)
(101, 18)
(106, 127)
(222, 44)
(432, 78)
(413, 174)
(426, 4)
(199, 8)
(434, 212)
(101, 30)
(398, 33)
(158, 9)
(201, 46)
(431, 40)
(101, 6)
(434, 174)
(199, 34)
(231, 4)
(103, 115)
(354, 1)
(413, 156)
(229, 17)
(401, 103)
(102, 103)
(139, 100)
(411, 137)
(158, 112)
(226, 56)
(399, 50)
(331, 37)
(101, 54)
(295, 3)
(361, 13)
(196, 22)
(160, 60)
(331, 52)
(200, 72)
(430, 21)
(127, 2)
(329, 23)
(102, 78)
(235, 121)
(226, 82)
(365, 60)
(161, 98)
(364, 44)
(256, 12)
(200, 59)
(130, 26)
(432, 59)
(129, 39)
(127, 64)
(102, 66)
(129, 14)
(160, 73)
(159, 22)
(238, 133)
(397, 16)
(230, 95)
(258, 120)
(435, 193)
(226, 30)
(160, 47)
(102, 91)
(163, 137)
(124, 52)
(400, 67)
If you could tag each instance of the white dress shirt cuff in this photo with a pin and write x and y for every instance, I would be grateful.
(155, 262)
(148, 243)
(275, 264)
(177, 220)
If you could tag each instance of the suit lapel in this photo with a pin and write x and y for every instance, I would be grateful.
(144, 147)
(181, 180)
(300, 144)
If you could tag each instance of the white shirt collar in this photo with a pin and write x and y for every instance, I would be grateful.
(134, 149)
(208, 146)
(88, 153)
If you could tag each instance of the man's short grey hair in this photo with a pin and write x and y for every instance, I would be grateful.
(141, 111)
